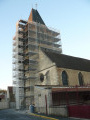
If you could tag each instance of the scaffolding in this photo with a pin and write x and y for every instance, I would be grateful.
(29, 38)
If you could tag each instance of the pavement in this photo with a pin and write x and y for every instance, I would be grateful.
(11, 114)
(52, 117)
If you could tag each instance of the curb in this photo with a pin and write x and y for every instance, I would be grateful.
(50, 118)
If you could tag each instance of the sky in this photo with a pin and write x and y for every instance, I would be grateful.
(70, 17)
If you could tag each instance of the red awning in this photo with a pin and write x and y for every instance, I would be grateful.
(74, 89)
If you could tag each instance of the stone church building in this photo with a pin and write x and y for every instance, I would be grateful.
(55, 83)
(63, 81)
(63, 70)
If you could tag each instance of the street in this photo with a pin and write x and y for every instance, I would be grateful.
(10, 114)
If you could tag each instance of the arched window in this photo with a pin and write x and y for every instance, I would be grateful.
(80, 78)
(64, 78)
(41, 77)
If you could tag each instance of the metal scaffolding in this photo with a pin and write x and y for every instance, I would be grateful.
(29, 38)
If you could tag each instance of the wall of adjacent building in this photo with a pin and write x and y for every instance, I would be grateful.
(40, 93)
(43, 98)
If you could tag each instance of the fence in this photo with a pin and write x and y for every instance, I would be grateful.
(79, 111)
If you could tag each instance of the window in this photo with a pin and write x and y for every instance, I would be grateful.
(64, 78)
(80, 78)
(41, 77)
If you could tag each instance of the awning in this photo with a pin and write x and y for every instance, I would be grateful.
(72, 89)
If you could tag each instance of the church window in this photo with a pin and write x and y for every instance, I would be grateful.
(80, 78)
(41, 77)
(64, 78)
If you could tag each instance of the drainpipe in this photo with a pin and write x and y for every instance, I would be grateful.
(46, 103)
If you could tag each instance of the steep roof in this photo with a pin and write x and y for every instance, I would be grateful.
(35, 17)
(70, 62)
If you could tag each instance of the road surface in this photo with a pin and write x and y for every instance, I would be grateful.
(10, 114)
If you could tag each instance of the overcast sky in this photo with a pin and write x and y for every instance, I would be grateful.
(71, 17)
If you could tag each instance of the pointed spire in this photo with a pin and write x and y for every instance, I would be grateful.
(35, 17)
(31, 16)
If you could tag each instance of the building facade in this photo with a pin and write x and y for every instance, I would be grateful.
(55, 67)
(30, 36)
(63, 86)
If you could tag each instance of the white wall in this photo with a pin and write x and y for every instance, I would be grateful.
(58, 111)
(40, 103)
(39, 97)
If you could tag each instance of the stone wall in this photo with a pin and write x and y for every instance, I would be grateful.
(46, 66)
(4, 105)
(57, 111)
(39, 97)
(40, 103)
(73, 76)
(60, 111)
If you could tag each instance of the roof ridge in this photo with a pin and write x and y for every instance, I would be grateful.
(69, 62)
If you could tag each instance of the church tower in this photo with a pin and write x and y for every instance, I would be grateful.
(30, 36)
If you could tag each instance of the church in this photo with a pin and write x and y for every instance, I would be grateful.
(55, 83)
(63, 86)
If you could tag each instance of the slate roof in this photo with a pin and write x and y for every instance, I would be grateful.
(70, 62)
(35, 17)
